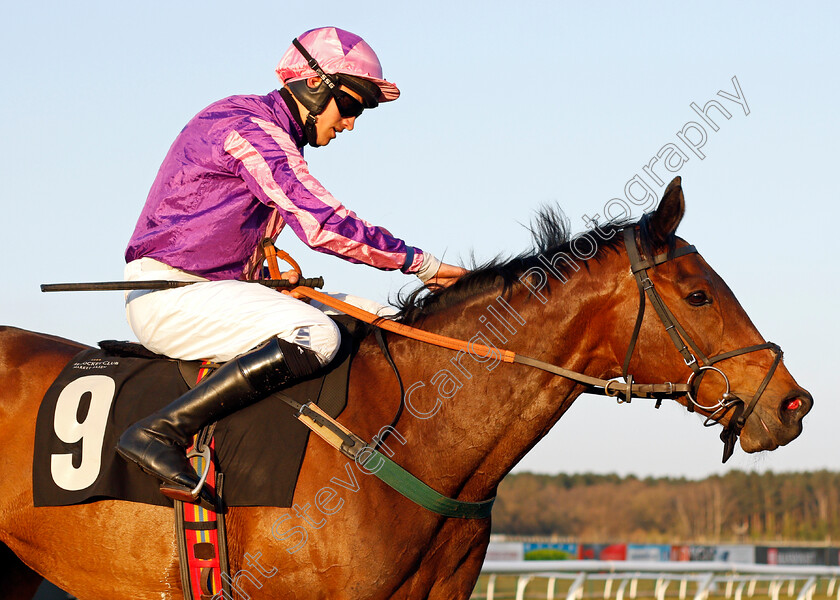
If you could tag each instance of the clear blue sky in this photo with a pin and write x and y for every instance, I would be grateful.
(505, 106)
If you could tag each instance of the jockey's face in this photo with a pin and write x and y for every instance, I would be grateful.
(330, 122)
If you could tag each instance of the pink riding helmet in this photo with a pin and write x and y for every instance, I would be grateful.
(336, 51)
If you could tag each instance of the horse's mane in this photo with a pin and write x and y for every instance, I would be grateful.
(550, 234)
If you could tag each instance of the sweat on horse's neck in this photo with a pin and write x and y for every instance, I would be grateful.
(494, 414)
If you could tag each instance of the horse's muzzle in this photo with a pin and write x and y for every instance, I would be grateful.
(768, 429)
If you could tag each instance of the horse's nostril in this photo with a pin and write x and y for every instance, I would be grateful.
(792, 404)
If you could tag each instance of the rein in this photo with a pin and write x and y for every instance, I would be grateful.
(694, 358)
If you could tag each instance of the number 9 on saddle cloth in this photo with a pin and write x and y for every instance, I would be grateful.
(102, 391)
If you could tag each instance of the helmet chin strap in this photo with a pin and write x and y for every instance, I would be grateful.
(310, 130)
(315, 101)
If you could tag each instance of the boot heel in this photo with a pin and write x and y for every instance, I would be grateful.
(184, 494)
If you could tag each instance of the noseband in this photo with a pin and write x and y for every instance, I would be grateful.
(693, 357)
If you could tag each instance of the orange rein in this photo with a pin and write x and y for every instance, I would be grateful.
(612, 388)
(272, 254)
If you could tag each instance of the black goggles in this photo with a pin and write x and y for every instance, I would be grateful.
(347, 105)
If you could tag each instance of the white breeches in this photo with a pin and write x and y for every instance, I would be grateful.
(218, 320)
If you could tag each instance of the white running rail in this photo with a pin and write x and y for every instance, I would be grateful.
(620, 580)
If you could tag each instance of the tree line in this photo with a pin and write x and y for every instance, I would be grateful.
(735, 507)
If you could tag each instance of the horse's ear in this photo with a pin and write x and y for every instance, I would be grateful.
(667, 216)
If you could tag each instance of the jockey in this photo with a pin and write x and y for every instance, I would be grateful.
(234, 176)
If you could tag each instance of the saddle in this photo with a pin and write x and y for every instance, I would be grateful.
(103, 391)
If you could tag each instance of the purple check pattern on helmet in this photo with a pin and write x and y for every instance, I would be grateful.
(336, 51)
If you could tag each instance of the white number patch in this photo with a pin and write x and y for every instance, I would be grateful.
(90, 433)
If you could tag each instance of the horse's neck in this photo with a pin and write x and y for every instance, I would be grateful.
(489, 414)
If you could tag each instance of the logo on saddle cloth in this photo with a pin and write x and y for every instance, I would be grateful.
(99, 394)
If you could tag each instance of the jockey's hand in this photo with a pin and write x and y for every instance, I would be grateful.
(292, 277)
(447, 275)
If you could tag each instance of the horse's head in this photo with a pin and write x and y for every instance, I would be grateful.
(694, 330)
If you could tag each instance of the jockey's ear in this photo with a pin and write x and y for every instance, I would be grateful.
(665, 220)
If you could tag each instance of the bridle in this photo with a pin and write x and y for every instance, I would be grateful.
(693, 356)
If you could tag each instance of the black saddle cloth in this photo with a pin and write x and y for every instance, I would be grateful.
(259, 448)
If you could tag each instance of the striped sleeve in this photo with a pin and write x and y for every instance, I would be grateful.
(274, 170)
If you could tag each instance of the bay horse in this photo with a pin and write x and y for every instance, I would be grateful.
(468, 421)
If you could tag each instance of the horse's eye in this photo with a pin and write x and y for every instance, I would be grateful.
(698, 298)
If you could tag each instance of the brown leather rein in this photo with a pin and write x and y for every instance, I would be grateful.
(694, 358)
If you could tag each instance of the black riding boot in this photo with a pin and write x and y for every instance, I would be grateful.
(158, 443)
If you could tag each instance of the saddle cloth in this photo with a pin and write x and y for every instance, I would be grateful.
(103, 391)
